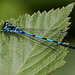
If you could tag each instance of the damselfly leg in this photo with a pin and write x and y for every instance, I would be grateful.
(7, 33)
(18, 36)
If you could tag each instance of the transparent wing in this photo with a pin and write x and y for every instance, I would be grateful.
(35, 31)
(47, 44)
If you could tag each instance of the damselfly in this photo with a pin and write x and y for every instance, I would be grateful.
(10, 28)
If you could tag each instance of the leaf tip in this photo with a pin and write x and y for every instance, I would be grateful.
(71, 5)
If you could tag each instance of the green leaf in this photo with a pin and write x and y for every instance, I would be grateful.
(28, 57)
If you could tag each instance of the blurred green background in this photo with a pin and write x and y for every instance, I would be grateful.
(15, 8)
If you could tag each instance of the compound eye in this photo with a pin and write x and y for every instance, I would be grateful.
(6, 23)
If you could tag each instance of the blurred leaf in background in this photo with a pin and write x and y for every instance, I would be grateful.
(13, 9)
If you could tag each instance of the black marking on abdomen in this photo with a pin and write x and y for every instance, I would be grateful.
(44, 38)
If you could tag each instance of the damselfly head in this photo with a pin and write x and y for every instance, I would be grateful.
(5, 26)
(6, 23)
